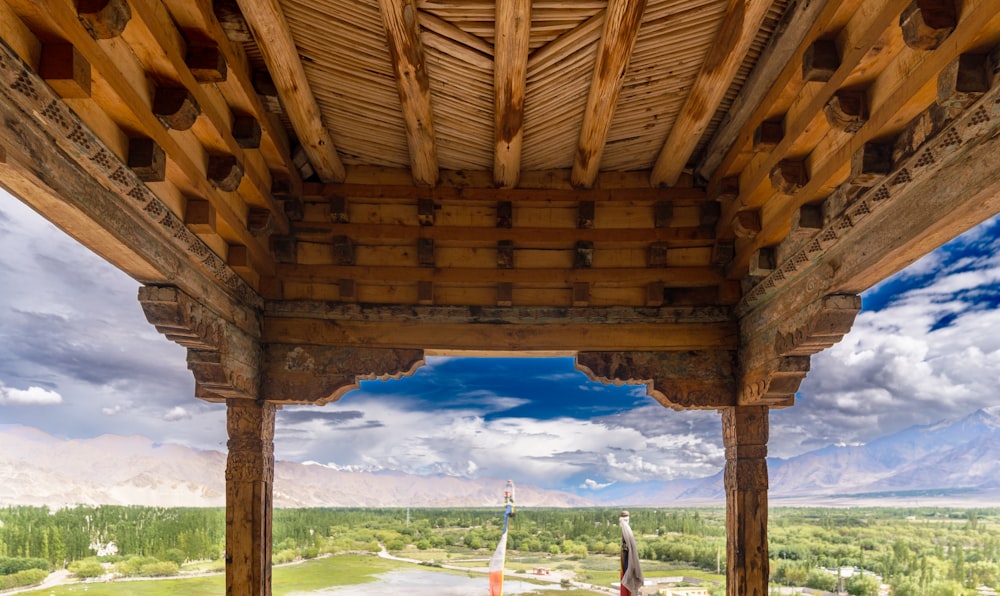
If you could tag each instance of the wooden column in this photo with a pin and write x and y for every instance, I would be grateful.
(249, 480)
(744, 432)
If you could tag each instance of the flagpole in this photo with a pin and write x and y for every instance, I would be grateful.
(499, 556)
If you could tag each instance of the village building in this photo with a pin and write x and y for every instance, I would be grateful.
(685, 194)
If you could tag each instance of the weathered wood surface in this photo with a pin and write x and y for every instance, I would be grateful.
(621, 26)
(317, 374)
(75, 178)
(225, 358)
(690, 379)
(737, 31)
(565, 337)
(510, 70)
(745, 435)
(269, 28)
(249, 497)
(401, 21)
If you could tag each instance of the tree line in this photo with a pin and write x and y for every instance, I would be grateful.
(936, 552)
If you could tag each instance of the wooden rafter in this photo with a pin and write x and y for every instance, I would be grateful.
(274, 38)
(905, 86)
(774, 64)
(621, 27)
(403, 32)
(743, 19)
(513, 22)
(126, 78)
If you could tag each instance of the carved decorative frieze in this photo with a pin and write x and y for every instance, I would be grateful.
(224, 359)
(680, 380)
(310, 374)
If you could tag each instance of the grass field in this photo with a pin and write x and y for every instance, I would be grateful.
(345, 570)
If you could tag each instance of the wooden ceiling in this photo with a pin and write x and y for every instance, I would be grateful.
(618, 157)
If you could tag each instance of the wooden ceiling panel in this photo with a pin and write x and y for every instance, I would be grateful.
(347, 64)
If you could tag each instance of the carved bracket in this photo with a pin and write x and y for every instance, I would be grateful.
(680, 380)
(310, 374)
(224, 359)
(772, 373)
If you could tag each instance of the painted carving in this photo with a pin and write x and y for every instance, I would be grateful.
(251, 441)
(772, 373)
(680, 380)
(225, 360)
(310, 374)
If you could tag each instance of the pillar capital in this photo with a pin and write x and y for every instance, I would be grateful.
(681, 380)
(224, 355)
(250, 426)
(313, 374)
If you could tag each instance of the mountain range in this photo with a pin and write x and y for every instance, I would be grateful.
(948, 463)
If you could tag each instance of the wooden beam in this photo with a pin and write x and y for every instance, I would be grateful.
(444, 335)
(742, 21)
(605, 276)
(909, 79)
(529, 236)
(621, 27)
(238, 88)
(490, 194)
(513, 29)
(693, 379)
(399, 17)
(274, 38)
(785, 41)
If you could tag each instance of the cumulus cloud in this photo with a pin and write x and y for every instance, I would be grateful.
(177, 413)
(927, 348)
(32, 396)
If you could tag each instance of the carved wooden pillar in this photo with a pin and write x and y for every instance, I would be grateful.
(744, 432)
(224, 354)
(249, 481)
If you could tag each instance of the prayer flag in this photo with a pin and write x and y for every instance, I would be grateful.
(631, 573)
(500, 554)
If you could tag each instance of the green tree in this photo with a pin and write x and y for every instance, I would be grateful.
(861, 585)
(86, 568)
(819, 579)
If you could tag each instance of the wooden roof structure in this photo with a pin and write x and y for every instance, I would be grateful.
(685, 193)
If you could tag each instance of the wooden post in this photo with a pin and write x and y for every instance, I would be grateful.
(249, 480)
(744, 432)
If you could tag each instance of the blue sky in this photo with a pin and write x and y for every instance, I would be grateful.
(79, 360)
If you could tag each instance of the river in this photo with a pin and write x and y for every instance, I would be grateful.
(426, 583)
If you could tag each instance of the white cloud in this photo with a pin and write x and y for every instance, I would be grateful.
(32, 396)
(112, 410)
(590, 484)
(177, 413)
